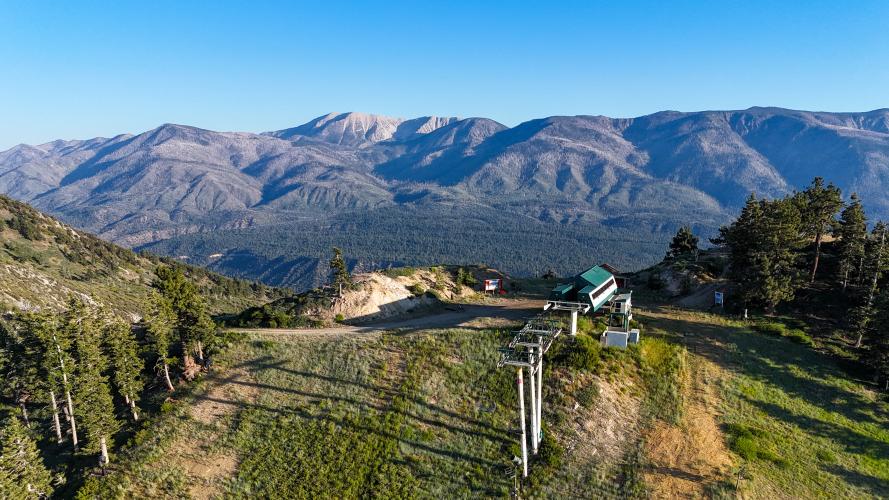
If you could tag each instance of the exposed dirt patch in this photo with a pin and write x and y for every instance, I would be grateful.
(684, 459)
(207, 471)
(208, 467)
(606, 429)
(226, 391)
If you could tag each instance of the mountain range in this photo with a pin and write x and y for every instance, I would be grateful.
(425, 190)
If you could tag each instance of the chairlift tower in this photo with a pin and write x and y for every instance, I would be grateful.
(526, 351)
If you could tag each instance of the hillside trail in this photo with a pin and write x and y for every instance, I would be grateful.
(686, 458)
(455, 316)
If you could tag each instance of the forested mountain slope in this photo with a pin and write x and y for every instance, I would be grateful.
(44, 263)
(571, 174)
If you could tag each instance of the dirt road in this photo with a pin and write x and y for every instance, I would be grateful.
(454, 316)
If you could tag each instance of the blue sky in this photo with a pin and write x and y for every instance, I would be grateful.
(84, 69)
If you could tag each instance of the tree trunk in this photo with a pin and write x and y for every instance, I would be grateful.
(133, 408)
(818, 238)
(200, 346)
(873, 286)
(103, 457)
(73, 423)
(55, 416)
(167, 377)
(845, 279)
(25, 414)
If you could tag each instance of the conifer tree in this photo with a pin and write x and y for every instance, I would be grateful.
(24, 377)
(92, 392)
(818, 206)
(879, 350)
(22, 471)
(161, 321)
(780, 244)
(126, 363)
(875, 266)
(341, 277)
(192, 321)
(44, 328)
(852, 234)
(740, 239)
(764, 243)
(684, 243)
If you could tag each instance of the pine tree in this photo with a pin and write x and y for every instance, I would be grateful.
(161, 321)
(684, 243)
(341, 277)
(879, 349)
(740, 239)
(92, 392)
(22, 471)
(192, 321)
(780, 245)
(875, 266)
(126, 363)
(764, 243)
(852, 234)
(45, 329)
(818, 206)
(24, 378)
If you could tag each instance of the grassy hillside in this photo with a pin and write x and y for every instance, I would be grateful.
(797, 425)
(427, 414)
(43, 262)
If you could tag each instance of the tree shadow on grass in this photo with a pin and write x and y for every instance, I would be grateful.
(855, 442)
(876, 486)
(773, 360)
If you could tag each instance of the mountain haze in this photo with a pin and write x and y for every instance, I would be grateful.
(279, 197)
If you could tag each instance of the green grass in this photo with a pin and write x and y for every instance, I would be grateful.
(803, 427)
(419, 415)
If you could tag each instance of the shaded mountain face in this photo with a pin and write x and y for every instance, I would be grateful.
(648, 174)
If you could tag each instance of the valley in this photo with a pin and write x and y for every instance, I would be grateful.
(269, 206)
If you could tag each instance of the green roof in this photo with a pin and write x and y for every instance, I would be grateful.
(563, 287)
(595, 276)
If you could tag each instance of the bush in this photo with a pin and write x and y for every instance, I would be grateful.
(395, 272)
(585, 353)
(826, 456)
(800, 337)
(339, 318)
(655, 282)
(770, 328)
(466, 278)
(417, 289)
(587, 395)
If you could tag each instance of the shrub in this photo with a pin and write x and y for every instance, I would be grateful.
(826, 456)
(466, 278)
(655, 282)
(339, 318)
(585, 353)
(395, 272)
(770, 328)
(417, 289)
(587, 395)
(800, 337)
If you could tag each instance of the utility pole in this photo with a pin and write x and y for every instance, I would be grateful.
(522, 420)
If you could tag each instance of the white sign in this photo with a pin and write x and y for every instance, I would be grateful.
(491, 285)
(718, 298)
